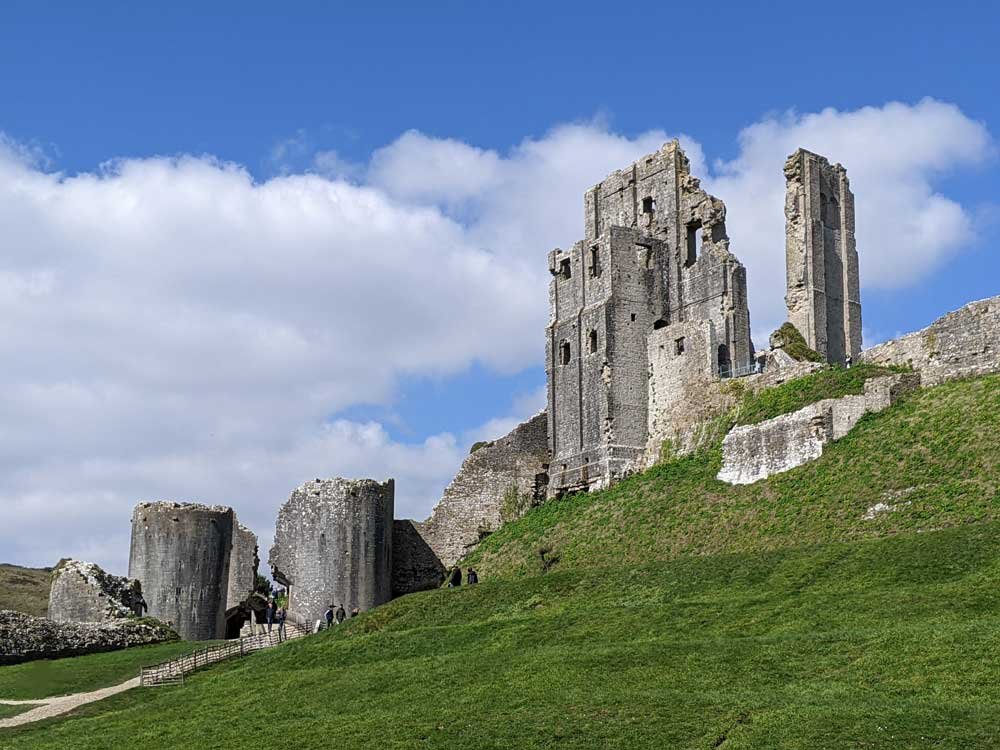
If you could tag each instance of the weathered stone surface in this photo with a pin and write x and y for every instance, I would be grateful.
(243, 563)
(823, 290)
(656, 254)
(23, 637)
(754, 452)
(180, 553)
(472, 502)
(415, 567)
(333, 545)
(83, 592)
(961, 344)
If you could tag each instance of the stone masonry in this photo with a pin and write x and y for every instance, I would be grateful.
(754, 452)
(333, 545)
(471, 504)
(181, 553)
(823, 294)
(415, 567)
(656, 254)
(963, 343)
(243, 563)
(83, 592)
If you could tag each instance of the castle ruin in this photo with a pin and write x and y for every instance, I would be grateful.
(821, 260)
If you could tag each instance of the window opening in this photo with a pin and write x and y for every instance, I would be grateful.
(679, 346)
(595, 261)
(564, 269)
(648, 205)
(592, 342)
(633, 317)
(564, 352)
(658, 324)
(693, 243)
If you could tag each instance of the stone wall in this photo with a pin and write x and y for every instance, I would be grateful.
(961, 344)
(754, 452)
(823, 291)
(180, 553)
(24, 638)
(415, 567)
(471, 504)
(243, 563)
(333, 545)
(83, 592)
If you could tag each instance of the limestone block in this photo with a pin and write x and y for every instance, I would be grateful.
(83, 592)
(333, 545)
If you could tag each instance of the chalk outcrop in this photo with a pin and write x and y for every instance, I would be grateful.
(24, 638)
(754, 452)
(333, 545)
(83, 592)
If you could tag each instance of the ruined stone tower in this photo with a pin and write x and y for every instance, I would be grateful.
(656, 254)
(823, 297)
(180, 553)
(333, 545)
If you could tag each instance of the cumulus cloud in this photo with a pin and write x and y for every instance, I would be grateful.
(173, 328)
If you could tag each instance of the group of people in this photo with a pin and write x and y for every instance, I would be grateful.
(276, 614)
(338, 615)
(455, 579)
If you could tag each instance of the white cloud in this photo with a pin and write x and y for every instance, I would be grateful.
(172, 328)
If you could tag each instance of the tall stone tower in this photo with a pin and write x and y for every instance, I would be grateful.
(656, 254)
(823, 295)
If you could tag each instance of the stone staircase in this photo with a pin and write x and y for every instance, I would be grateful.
(172, 672)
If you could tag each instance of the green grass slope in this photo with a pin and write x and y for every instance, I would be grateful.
(933, 459)
(46, 678)
(888, 643)
(25, 589)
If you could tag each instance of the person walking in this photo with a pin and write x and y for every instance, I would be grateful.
(354, 612)
(269, 613)
(472, 577)
(341, 615)
(329, 616)
(282, 614)
(456, 578)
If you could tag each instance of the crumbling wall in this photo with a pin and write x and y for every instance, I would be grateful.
(471, 504)
(415, 567)
(656, 254)
(83, 592)
(754, 452)
(243, 563)
(963, 343)
(180, 553)
(823, 290)
(333, 545)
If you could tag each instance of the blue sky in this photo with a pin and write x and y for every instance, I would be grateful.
(199, 308)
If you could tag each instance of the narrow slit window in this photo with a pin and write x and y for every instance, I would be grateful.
(693, 243)
(595, 261)
(633, 317)
(679, 346)
(564, 353)
(592, 342)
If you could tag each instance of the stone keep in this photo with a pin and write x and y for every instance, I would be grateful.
(333, 545)
(180, 553)
(656, 254)
(823, 293)
(84, 592)
(471, 504)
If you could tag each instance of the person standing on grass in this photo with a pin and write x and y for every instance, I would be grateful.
(456, 578)
(341, 615)
(329, 616)
(282, 614)
(472, 577)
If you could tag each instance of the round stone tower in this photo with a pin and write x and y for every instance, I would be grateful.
(180, 554)
(333, 545)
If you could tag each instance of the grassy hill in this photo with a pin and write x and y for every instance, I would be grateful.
(671, 611)
(25, 589)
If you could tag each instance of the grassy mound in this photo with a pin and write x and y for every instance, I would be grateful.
(794, 344)
(930, 462)
(45, 678)
(25, 589)
(880, 643)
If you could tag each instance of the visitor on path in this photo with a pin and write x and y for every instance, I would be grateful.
(329, 616)
(456, 578)
(282, 614)
(341, 615)
(472, 577)
(354, 612)
(270, 614)
(138, 602)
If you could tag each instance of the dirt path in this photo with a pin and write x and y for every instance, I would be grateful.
(49, 707)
